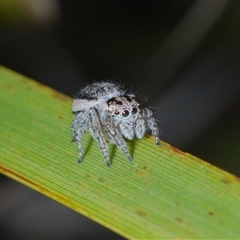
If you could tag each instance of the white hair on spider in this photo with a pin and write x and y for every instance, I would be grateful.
(112, 114)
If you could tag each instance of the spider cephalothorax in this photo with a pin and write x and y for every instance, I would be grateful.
(110, 114)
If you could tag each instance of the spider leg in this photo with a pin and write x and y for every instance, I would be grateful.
(96, 129)
(116, 137)
(78, 128)
(152, 125)
(77, 121)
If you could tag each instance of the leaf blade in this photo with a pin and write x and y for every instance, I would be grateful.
(163, 193)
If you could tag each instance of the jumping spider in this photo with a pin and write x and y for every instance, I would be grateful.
(110, 114)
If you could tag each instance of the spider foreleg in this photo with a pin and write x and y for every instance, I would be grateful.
(152, 125)
(78, 128)
(95, 127)
(115, 135)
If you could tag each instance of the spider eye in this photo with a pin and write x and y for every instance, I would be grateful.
(134, 110)
(125, 113)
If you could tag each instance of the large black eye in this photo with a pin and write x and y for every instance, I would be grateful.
(134, 110)
(125, 113)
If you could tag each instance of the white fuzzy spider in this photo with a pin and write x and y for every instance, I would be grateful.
(110, 114)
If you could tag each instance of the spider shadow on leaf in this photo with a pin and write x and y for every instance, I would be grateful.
(89, 145)
(131, 146)
(112, 151)
(112, 148)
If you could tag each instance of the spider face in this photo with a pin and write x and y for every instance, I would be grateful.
(110, 114)
(123, 108)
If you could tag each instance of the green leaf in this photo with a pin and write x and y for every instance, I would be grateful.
(162, 193)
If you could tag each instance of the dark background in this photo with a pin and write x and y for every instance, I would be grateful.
(181, 57)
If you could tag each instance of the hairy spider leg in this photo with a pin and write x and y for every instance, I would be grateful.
(115, 135)
(152, 125)
(96, 129)
(78, 127)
